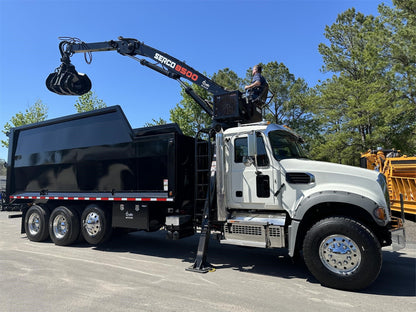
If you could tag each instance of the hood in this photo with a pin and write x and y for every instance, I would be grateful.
(328, 172)
(312, 179)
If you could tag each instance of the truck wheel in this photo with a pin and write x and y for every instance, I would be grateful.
(64, 226)
(36, 223)
(342, 253)
(96, 226)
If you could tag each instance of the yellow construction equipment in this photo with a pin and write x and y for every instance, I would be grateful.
(400, 173)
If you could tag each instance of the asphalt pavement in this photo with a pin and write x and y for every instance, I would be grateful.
(145, 272)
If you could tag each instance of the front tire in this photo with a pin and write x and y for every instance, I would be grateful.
(342, 253)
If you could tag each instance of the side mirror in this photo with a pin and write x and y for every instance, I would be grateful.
(252, 144)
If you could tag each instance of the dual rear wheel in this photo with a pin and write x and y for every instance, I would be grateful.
(64, 225)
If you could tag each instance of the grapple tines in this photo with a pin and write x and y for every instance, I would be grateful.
(67, 81)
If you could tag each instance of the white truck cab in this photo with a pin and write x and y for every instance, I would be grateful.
(266, 169)
(270, 195)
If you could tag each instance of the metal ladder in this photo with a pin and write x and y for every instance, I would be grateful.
(204, 196)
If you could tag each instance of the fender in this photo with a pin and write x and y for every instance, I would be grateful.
(336, 197)
(324, 197)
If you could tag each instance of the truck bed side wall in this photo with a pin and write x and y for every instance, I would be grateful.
(90, 153)
(99, 152)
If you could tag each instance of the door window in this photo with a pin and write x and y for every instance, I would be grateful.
(241, 150)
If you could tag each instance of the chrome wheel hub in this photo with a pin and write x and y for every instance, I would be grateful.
(92, 224)
(60, 226)
(340, 254)
(34, 223)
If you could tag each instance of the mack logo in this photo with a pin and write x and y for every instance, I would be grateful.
(129, 215)
(164, 60)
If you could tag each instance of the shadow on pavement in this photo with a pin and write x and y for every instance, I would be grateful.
(397, 277)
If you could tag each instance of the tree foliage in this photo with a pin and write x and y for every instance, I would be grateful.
(189, 115)
(88, 102)
(228, 79)
(369, 101)
(400, 54)
(155, 122)
(365, 104)
(35, 113)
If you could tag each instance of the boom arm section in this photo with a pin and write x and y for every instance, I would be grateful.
(228, 106)
(132, 47)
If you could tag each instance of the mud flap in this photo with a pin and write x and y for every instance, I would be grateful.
(398, 238)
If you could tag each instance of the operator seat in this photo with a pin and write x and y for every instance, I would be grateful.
(261, 99)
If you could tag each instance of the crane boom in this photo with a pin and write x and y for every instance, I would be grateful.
(132, 47)
(228, 105)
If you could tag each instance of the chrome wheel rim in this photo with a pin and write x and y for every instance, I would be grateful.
(92, 224)
(34, 223)
(340, 254)
(60, 226)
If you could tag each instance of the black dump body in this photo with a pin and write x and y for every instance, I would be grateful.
(97, 153)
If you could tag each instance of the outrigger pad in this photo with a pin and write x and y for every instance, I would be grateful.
(67, 81)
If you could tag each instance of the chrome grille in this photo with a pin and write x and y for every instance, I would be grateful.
(250, 234)
(275, 231)
(244, 229)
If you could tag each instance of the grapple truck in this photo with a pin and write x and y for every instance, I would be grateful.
(244, 179)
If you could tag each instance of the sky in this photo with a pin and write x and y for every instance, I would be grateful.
(208, 35)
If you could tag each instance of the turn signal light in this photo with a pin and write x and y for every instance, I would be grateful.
(380, 213)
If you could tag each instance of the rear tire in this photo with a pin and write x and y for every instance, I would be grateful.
(36, 223)
(96, 225)
(64, 226)
(342, 253)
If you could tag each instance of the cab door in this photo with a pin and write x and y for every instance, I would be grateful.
(251, 186)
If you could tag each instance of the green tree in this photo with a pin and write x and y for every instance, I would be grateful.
(399, 39)
(35, 113)
(155, 122)
(357, 108)
(189, 115)
(228, 79)
(88, 102)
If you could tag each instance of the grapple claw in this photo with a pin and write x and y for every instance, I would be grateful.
(67, 81)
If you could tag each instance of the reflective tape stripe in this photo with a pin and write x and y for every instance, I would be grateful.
(159, 199)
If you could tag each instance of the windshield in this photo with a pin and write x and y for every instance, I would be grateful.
(285, 145)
